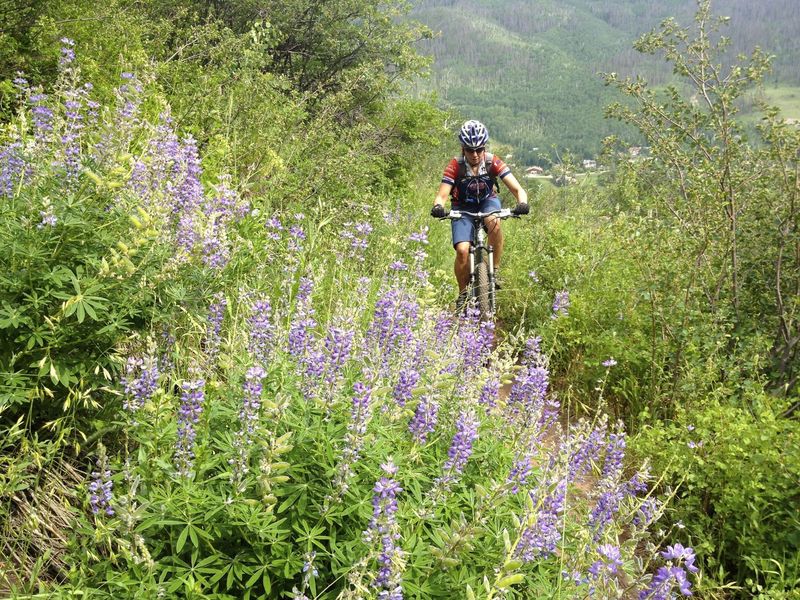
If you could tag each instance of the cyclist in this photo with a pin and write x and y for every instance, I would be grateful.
(471, 181)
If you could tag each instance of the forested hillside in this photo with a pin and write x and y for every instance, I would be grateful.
(232, 364)
(531, 67)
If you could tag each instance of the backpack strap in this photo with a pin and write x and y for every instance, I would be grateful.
(462, 168)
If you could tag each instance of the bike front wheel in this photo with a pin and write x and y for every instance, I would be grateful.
(482, 292)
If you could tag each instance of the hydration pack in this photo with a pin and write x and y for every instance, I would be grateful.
(488, 157)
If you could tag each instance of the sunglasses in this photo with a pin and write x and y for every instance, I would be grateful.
(475, 150)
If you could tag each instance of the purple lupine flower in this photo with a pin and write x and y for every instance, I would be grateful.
(41, 117)
(419, 236)
(48, 218)
(186, 194)
(363, 286)
(12, 168)
(475, 339)
(425, 418)
(528, 401)
(406, 383)
(262, 332)
(67, 53)
(214, 246)
(303, 322)
(398, 265)
(304, 289)
(216, 315)
(541, 538)
(313, 364)
(383, 528)
(101, 487)
(70, 136)
(338, 346)
(520, 471)
(611, 492)
(489, 393)
(357, 234)
(610, 362)
(21, 83)
(615, 453)
(226, 202)
(189, 413)
(309, 572)
(603, 570)
(251, 406)
(443, 330)
(682, 556)
(140, 381)
(360, 414)
(300, 336)
(460, 448)
(396, 314)
(673, 575)
(248, 419)
(637, 483)
(273, 226)
(583, 446)
(419, 270)
(165, 361)
(221, 210)
(297, 236)
(120, 132)
(560, 304)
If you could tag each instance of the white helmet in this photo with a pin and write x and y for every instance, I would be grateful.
(473, 134)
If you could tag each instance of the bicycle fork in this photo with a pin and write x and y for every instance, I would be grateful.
(490, 264)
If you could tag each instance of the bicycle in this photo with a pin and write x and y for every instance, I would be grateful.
(481, 267)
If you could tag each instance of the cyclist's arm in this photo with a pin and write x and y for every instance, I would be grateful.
(515, 188)
(443, 194)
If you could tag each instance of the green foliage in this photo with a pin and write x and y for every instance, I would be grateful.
(735, 473)
(678, 267)
(581, 243)
(71, 290)
(718, 190)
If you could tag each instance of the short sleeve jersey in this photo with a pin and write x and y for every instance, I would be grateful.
(475, 189)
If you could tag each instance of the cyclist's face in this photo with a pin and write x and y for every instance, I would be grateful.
(473, 155)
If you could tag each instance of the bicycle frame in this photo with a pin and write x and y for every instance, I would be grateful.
(479, 245)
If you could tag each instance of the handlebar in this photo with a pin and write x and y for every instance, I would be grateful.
(503, 213)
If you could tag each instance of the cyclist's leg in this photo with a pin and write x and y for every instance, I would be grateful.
(462, 230)
(461, 266)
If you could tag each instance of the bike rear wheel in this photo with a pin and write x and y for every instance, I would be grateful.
(481, 291)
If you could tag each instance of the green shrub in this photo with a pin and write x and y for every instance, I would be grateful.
(735, 474)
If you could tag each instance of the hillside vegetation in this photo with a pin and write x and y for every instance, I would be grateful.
(230, 366)
(531, 67)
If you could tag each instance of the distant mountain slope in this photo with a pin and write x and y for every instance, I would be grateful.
(529, 68)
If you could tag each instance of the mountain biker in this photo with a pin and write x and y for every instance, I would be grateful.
(471, 181)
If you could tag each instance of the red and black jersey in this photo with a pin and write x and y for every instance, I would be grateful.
(474, 187)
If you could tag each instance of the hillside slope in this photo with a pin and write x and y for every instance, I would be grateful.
(531, 68)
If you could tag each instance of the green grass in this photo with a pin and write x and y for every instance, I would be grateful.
(786, 98)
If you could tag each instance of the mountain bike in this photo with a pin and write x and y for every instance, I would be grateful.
(482, 290)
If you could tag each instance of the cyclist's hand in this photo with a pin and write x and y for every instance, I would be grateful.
(437, 212)
(521, 208)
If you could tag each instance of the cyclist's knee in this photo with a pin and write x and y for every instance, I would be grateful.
(493, 227)
(462, 251)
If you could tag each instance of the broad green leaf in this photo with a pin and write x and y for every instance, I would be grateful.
(182, 538)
